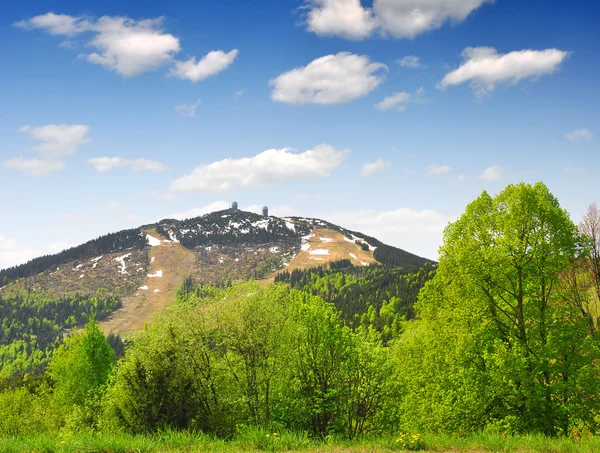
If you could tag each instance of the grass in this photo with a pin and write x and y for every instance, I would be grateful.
(253, 440)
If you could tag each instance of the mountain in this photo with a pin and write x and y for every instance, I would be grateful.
(144, 267)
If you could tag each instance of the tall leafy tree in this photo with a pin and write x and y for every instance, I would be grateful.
(508, 350)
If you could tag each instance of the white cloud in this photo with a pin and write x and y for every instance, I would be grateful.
(211, 64)
(409, 18)
(58, 141)
(57, 24)
(345, 18)
(492, 174)
(484, 67)
(264, 169)
(114, 206)
(416, 231)
(371, 168)
(400, 100)
(332, 79)
(579, 134)
(188, 110)
(123, 45)
(395, 100)
(13, 253)
(439, 169)
(410, 61)
(399, 18)
(106, 164)
(130, 47)
(35, 167)
(238, 94)
(197, 212)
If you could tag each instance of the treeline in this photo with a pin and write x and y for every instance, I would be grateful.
(109, 243)
(365, 295)
(31, 328)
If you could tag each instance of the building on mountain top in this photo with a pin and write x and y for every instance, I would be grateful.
(234, 206)
(265, 211)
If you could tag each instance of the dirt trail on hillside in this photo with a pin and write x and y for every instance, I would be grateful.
(175, 263)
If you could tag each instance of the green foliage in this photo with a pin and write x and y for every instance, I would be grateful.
(245, 355)
(377, 296)
(496, 346)
(79, 368)
(31, 328)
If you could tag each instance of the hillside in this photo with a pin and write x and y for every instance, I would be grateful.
(145, 266)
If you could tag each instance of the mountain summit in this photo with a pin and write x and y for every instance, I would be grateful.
(145, 266)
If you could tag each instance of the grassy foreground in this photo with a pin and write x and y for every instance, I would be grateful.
(258, 441)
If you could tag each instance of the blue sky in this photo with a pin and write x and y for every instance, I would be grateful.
(117, 114)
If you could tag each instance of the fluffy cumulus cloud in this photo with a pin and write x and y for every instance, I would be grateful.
(57, 24)
(106, 164)
(416, 231)
(492, 174)
(261, 170)
(345, 18)
(579, 134)
(399, 18)
(210, 65)
(439, 169)
(370, 168)
(484, 67)
(188, 110)
(332, 79)
(129, 47)
(57, 142)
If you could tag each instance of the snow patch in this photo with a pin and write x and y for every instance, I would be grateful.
(354, 256)
(95, 260)
(326, 239)
(143, 287)
(152, 259)
(221, 260)
(264, 224)
(152, 241)
(82, 275)
(121, 260)
(157, 291)
(305, 247)
(290, 226)
(157, 274)
(78, 267)
(319, 252)
(274, 249)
